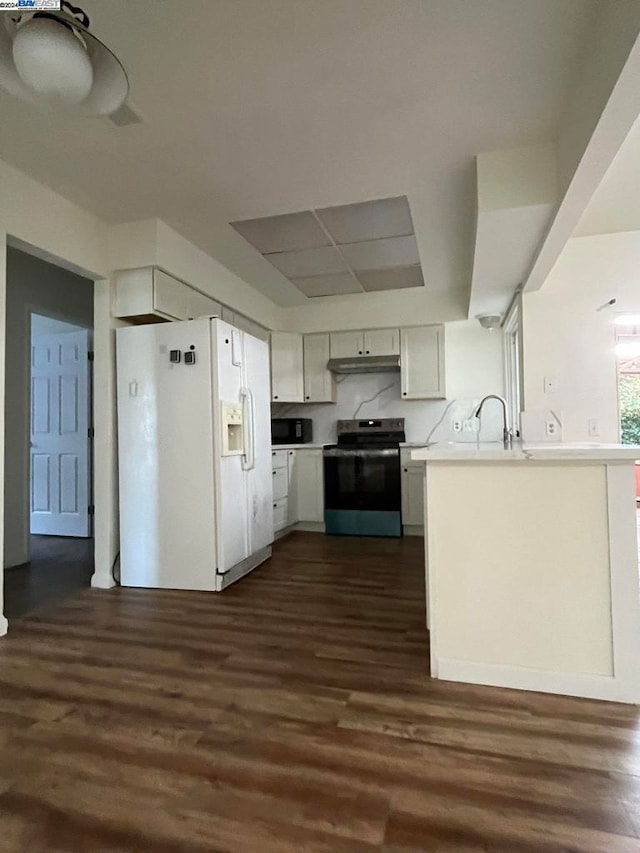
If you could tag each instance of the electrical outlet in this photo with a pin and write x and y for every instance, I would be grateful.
(593, 427)
(551, 428)
(457, 426)
(469, 425)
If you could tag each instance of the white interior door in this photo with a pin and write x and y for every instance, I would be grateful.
(60, 443)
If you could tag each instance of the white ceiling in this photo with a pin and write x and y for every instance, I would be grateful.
(616, 203)
(254, 109)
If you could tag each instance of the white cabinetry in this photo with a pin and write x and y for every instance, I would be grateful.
(412, 482)
(374, 342)
(298, 487)
(347, 344)
(319, 383)
(309, 480)
(199, 305)
(286, 368)
(149, 292)
(422, 363)
(382, 342)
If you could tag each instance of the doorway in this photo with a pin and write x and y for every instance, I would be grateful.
(60, 453)
(48, 461)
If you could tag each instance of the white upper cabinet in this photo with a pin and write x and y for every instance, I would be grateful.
(382, 342)
(319, 383)
(374, 342)
(347, 344)
(287, 383)
(150, 292)
(199, 305)
(422, 363)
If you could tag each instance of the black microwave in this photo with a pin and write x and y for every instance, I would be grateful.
(291, 430)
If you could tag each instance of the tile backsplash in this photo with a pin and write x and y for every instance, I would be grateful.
(356, 393)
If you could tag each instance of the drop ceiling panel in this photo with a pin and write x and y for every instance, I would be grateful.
(283, 233)
(308, 262)
(369, 220)
(382, 254)
(391, 279)
(327, 285)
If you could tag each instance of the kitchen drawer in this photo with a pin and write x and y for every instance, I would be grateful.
(280, 483)
(279, 458)
(280, 514)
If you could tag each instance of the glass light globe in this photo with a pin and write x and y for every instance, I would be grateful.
(51, 61)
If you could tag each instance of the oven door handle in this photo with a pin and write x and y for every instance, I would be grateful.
(361, 452)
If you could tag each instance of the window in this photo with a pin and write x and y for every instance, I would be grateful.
(513, 361)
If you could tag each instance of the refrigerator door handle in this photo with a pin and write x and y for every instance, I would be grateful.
(249, 454)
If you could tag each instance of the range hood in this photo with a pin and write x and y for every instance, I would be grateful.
(365, 364)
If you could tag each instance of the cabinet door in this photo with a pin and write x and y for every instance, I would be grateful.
(286, 367)
(293, 493)
(169, 295)
(309, 485)
(347, 344)
(413, 494)
(280, 483)
(319, 384)
(422, 363)
(280, 514)
(199, 305)
(382, 342)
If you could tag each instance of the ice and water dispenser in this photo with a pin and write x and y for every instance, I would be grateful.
(232, 429)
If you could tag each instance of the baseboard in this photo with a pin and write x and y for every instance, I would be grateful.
(606, 687)
(413, 530)
(310, 526)
(242, 569)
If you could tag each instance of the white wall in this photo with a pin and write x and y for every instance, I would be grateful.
(32, 285)
(409, 307)
(567, 339)
(474, 362)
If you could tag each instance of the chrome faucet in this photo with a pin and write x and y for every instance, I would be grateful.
(507, 435)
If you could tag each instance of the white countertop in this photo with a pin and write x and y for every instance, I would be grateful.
(494, 452)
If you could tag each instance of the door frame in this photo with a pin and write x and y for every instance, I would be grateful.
(59, 315)
(104, 359)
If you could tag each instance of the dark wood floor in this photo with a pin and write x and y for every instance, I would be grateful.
(58, 567)
(292, 714)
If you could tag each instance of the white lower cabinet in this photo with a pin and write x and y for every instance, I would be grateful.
(412, 484)
(280, 514)
(298, 487)
(309, 478)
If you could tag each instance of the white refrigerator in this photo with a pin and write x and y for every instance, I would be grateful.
(194, 448)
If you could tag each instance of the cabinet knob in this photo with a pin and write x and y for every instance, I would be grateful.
(406, 470)
(368, 353)
(275, 506)
(307, 397)
(274, 473)
(359, 352)
(273, 453)
(275, 396)
(291, 453)
(404, 393)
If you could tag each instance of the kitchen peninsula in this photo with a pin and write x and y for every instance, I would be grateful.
(532, 567)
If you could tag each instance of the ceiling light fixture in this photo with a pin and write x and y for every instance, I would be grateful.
(489, 321)
(50, 59)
